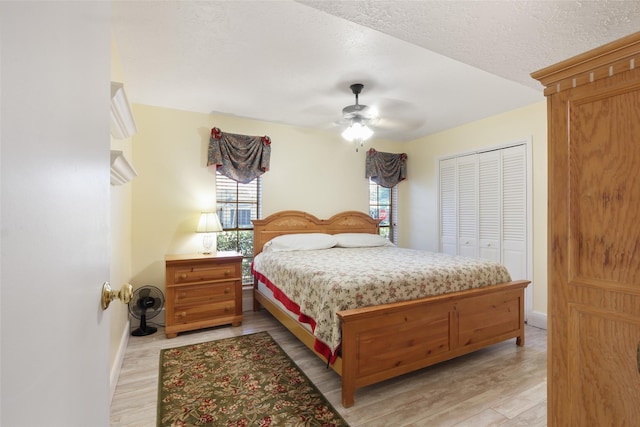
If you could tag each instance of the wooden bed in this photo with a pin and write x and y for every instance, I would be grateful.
(389, 340)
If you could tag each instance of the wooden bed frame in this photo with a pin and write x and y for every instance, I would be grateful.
(389, 340)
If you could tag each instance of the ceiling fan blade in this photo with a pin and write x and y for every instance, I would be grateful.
(404, 123)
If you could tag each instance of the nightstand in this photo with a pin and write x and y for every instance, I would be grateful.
(202, 291)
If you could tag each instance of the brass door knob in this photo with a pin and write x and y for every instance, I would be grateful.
(108, 294)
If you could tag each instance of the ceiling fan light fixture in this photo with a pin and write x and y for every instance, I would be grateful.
(359, 115)
(357, 132)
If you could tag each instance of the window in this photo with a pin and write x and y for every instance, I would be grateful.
(237, 205)
(383, 206)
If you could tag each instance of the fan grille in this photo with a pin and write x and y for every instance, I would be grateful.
(147, 300)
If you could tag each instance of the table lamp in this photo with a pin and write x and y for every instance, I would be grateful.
(208, 224)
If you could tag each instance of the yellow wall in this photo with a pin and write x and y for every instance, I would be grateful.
(418, 199)
(310, 170)
(120, 239)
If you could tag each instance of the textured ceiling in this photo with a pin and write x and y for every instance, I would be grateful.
(427, 66)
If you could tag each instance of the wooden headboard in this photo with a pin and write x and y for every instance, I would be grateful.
(292, 222)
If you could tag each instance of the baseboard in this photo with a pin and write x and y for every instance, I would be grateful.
(537, 319)
(117, 364)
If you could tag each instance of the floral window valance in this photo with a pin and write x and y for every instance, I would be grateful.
(242, 158)
(386, 169)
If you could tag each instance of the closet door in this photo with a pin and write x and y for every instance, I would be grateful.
(468, 206)
(489, 212)
(514, 210)
(483, 207)
(448, 206)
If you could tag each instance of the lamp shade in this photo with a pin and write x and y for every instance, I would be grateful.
(209, 223)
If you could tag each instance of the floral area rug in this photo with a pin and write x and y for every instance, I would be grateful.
(242, 381)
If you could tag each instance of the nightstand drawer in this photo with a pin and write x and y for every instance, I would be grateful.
(203, 274)
(203, 294)
(196, 313)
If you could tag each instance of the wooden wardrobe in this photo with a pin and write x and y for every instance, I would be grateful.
(593, 104)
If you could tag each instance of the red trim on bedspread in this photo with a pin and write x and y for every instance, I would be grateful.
(318, 345)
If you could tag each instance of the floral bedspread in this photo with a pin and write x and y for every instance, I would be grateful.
(316, 284)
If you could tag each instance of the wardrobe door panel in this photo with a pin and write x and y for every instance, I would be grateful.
(604, 367)
(605, 182)
(603, 280)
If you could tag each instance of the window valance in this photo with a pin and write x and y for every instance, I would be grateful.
(239, 157)
(386, 169)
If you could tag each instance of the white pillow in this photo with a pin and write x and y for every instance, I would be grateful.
(361, 240)
(300, 242)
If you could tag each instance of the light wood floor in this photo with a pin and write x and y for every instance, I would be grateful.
(502, 385)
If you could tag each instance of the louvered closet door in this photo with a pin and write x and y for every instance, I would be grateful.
(489, 212)
(468, 206)
(448, 207)
(483, 207)
(514, 210)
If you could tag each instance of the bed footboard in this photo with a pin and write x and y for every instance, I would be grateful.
(383, 342)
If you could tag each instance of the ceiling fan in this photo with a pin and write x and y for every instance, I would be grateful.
(359, 117)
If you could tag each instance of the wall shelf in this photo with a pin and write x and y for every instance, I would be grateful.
(121, 170)
(123, 125)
